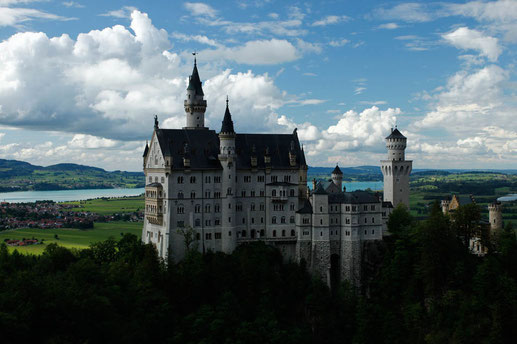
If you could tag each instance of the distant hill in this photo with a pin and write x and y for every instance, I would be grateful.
(21, 176)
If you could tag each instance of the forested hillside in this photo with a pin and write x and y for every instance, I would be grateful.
(20, 176)
(429, 289)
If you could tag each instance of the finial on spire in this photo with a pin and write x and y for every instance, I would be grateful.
(195, 61)
(155, 122)
(226, 100)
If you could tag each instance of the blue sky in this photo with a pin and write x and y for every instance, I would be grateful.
(80, 81)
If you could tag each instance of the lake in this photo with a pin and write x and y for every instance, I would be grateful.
(66, 195)
(78, 195)
(508, 198)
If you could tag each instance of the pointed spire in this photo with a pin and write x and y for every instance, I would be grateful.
(227, 126)
(146, 150)
(337, 170)
(194, 80)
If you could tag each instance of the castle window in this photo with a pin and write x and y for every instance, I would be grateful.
(243, 193)
(262, 206)
(261, 193)
(252, 193)
(247, 179)
(291, 193)
(365, 232)
(229, 206)
(321, 234)
(291, 219)
(180, 180)
(217, 194)
(192, 180)
(207, 194)
(365, 208)
(180, 210)
(306, 220)
(150, 179)
(293, 233)
(217, 179)
(229, 233)
(273, 220)
(260, 179)
(287, 179)
(217, 235)
(163, 180)
(273, 193)
(192, 194)
(197, 208)
(217, 222)
(243, 234)
(261, 220)
(347, 221)
(373, 219)
(291, 206)
(321, 209)
(217, 208)
(228, 191)
(238, 207)
(208, 222)
(243, 220)
(373, 231)
(197, 222)
(252, 206)
(347, 208)
(282, 219)
(198, 236)
(229, 220)
(261, 233)
(208, 236)
(321, 221)
(207, 208)
(252, 220)
(180, 195)
(274, 179)
(283, 232)
(252, 233)
(365, 220)
(372, 207)
(274, 233)
(207, 179)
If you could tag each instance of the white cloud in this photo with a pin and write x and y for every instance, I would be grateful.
(329, 20)
(124, 12)
(409, 12)
(196, 38)
(359, 90)
(72, 4)
(308, 47)
(465, 38)
(259, 52)
(16, 16)
(91, 142)
(200, 9)
(339, 43)
(389, 26)
(1, 135)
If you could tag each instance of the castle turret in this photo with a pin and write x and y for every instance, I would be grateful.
(396, 170)
(337, 177)
(445, 206)
(495, 216)
(227, 159)
(195, 105)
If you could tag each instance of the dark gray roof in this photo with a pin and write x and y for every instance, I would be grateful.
(464, 200)
(387, 204)
(227, 126)
(146, 150)
(155, 185)
(354, 197)
(337, 170)
(333, 188)
(306, 208)
(195, 82)
(204, 148)
(395, 134)
(320, 190)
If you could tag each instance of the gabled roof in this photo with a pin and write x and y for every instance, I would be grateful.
(337, 170)
(395, 134)
(227, 126)
(195, 82)
(320, 190)
(146, 150)
(306, 208)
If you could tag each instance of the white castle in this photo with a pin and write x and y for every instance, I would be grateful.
(233, 188)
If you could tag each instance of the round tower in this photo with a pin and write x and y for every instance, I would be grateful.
(396, 144)
(195, 105)
(227, 160)
(495, 216)
(445, 206)
(337, 177)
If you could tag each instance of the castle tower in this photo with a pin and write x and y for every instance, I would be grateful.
(320, 260)
(396, 170)
(337, 177)
(227, 158)
(195, 105)
(495, 216)
(445, 206)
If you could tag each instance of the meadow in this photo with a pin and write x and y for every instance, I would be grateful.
(109, 206)
(70, 237)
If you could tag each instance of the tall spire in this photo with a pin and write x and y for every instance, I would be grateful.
(194, 80)
(227, 126)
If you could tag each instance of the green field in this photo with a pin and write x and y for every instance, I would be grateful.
(71, 238)
(108, 206)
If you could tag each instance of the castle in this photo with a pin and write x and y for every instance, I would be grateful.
(233, 188)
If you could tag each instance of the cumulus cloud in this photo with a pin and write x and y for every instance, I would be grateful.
(329, 20)
(261, 52)
(200, 9)
(339, 42)
(465, 38)
(91, 142)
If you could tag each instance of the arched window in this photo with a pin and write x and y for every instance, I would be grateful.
(180, 180)
(180, 194)
(192, 194)
(273, 220)
(291, 219)
(282, 219)
(198, 222)
(243, 234)
(150, 179)
(283, 232)
(321, 221)
(229, 191)
(192, 180)
(180, 209)
(293, 233)
(291, 192)
(273, 193)
(261, 233)
(274, 233)
(252, 233)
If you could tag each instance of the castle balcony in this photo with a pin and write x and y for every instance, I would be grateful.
(155, 219)
(280, 199)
